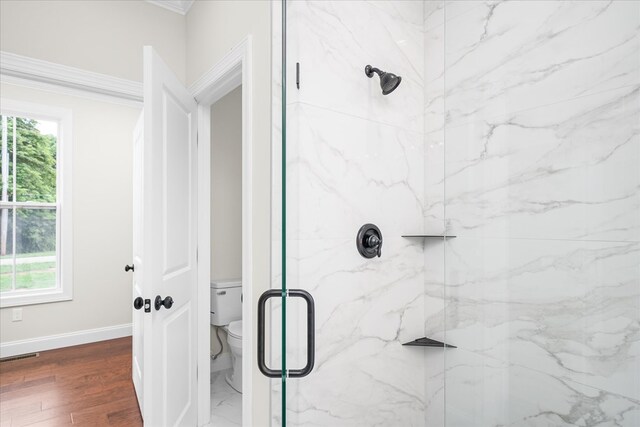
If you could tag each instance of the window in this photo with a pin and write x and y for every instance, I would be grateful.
(35, 204)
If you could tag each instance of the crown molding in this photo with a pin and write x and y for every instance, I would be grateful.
(43, 74)
(178, 6)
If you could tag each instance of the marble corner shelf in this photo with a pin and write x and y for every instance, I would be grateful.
(428, 342)
(430, 236)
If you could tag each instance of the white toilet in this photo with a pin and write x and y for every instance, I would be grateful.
(226, 312)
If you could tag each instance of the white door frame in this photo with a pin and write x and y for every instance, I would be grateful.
(233, 70)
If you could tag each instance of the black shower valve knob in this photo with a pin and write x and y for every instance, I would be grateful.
(369, 241)
(375, 242)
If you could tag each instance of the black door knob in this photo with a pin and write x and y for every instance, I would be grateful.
(166, 303)
(129, 267)
(138, 303)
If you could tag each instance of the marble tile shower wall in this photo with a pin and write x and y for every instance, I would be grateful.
(356, 156)
(532, 158)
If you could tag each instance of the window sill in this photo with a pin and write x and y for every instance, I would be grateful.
(32, 298)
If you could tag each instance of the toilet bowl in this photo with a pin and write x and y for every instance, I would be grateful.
(226, 313)
(234, 339)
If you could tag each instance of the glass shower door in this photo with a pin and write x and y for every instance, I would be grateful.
(354, 156)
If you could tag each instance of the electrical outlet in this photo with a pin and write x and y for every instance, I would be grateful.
(17, 315)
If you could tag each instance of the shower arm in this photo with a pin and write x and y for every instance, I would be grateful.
(369, 70)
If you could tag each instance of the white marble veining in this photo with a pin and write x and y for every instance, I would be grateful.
(563, 171)
(532, 147)
(482, 391)
(334, 40)
(508, 56)
(354, 156)
(344, 171)
(568, 308)
(226, 403)
(365, 310)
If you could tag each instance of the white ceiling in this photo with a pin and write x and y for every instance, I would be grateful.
(178, 6)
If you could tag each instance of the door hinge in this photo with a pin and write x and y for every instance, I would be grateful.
(298, 75)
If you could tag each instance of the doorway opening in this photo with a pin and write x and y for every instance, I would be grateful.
(226, 259)
(225, 236)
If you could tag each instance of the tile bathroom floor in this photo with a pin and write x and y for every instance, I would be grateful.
(226, 403)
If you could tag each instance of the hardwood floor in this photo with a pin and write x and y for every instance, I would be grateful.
(85, 385)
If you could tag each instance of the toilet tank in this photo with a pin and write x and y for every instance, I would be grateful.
(226, 301)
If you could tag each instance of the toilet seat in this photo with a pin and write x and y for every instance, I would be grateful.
(234, 339)
(235, 329)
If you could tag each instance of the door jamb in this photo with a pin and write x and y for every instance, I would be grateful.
(233, 70)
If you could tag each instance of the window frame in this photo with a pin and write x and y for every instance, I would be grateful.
(64, 231)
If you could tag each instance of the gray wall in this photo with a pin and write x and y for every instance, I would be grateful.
(102, 36)
(226, 187)
(81, 34)
(102, 220)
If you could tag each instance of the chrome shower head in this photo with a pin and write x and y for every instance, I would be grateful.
(388, 81)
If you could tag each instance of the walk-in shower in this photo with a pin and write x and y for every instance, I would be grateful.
(515, 130)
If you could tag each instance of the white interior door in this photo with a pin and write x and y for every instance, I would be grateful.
(169, 247)
(137, 318)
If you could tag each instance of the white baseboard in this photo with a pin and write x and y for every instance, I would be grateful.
(221, 363)
(14, 348)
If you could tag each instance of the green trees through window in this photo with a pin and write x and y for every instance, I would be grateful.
(28, 204)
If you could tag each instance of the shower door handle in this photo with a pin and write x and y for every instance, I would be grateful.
(311, 333)
(262, 364)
